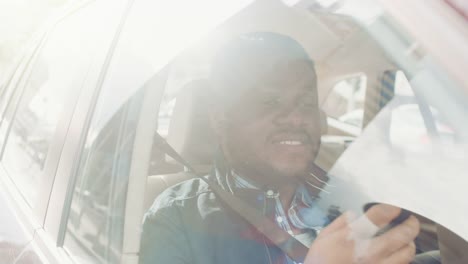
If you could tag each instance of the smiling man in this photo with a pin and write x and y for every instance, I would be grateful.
(266, 116)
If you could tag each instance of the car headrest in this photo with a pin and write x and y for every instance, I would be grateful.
(190, 132)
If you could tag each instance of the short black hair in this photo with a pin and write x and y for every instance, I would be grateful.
(241, 58)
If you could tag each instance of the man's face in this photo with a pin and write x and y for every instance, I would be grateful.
(272, 127)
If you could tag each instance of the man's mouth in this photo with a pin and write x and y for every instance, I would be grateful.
(295, 139)
(291, 142)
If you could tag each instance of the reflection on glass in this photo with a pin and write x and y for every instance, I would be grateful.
(386, 137)
(346, 101)
(95, 227)
(47, 92)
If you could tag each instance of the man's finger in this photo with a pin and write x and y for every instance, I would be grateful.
(362, 228)
(404, 255)
(382, 214)
(377, 217)
(396, 238)
(341, 222)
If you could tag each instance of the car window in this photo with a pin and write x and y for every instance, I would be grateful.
(345, 104)
(7, 89)
(50, 90)
(95, 224)
(413, 124)
(407, 122)
(374, 133)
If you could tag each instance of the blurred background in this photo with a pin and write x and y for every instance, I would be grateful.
(19, 19)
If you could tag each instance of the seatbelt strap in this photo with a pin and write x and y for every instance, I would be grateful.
(282, 239)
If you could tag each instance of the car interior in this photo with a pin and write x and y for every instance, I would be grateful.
(343, 53)
(356, 80)
(136, 84)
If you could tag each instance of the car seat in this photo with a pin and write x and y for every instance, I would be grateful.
(190, 134)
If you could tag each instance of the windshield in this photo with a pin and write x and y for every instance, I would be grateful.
(308, 112)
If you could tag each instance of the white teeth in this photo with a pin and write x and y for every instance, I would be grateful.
(291, 142)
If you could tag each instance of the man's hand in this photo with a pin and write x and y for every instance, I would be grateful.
(351, 240)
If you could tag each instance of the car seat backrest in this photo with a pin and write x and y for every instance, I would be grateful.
(190, 130)
(190, 134)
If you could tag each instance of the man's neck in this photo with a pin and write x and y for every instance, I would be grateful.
(286, 194)
(285, 187)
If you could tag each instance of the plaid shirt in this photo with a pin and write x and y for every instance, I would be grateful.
(302, 213)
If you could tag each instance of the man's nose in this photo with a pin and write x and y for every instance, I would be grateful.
(292, 116)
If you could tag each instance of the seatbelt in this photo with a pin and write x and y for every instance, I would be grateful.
(282, 239)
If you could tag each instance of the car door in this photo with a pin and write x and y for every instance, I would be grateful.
(109, 159)
(37, 107)
(343, 48)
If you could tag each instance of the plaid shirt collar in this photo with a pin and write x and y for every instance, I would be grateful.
(302, 213)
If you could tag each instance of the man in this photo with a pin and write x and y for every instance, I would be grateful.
(267, 121)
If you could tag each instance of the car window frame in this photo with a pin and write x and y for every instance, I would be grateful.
(80, 119)
(34, 219)
(48, 173)
(18, 82)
